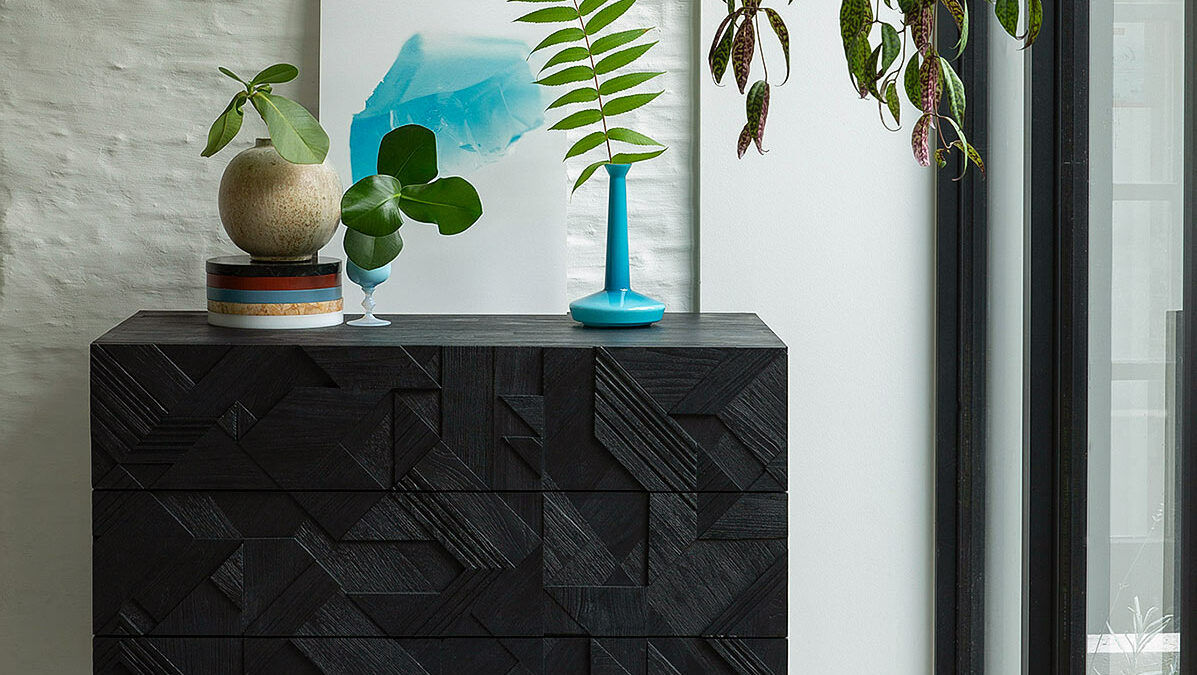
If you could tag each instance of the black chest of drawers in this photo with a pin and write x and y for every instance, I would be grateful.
(449, 495)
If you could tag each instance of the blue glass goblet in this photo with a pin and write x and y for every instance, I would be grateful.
(368, 280)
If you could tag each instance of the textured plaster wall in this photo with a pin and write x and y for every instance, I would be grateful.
(106, 208)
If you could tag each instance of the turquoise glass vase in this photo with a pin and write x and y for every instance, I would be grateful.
(617, 305)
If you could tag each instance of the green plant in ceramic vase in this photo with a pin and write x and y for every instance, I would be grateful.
(278, 200)
(591, 60)
(407, 184)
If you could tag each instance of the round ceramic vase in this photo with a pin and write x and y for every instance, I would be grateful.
(278, 211)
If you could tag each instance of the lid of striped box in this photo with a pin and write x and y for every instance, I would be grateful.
(243, 293)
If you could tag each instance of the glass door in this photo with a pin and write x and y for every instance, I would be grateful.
(1136, 287)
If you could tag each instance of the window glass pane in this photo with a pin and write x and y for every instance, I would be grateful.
(1135, 249)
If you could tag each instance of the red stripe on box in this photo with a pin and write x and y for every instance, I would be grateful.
(274, 283)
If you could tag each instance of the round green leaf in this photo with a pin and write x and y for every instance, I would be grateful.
(409, 154)
(371, 206)
(370, 253)
(451, 203)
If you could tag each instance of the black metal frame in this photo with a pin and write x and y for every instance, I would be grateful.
(1187, 366)
(1057, 376)
(962, 234)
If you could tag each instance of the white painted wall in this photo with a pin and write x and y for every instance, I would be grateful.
(830, 239)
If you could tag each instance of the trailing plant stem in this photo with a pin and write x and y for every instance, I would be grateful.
(756, 19)
(606, 131)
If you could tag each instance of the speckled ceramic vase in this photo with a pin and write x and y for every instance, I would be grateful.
(278, 211)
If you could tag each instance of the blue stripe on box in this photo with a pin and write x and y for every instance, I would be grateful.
(273, 297)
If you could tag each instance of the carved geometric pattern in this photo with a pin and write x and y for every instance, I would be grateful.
(310, 508)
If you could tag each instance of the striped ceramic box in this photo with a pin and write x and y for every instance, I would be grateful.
(247, 294)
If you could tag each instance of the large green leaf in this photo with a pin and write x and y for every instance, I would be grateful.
(894, 103)
(914, 91)
(370, 253)
(227, 126)
(607, 15)
(560, 37)
(1007, 15)
(758, 111)
(579, 119)
(297, 135)
(583, 95)
(624, 104)
(622, 58)
(609, 42)
(891, 46)
(409, 154)
(567, 55)
(452, 203)
(721, 46)
(588, 143)
(276, 74)
(622, 82)
(930, 84)
(568, 76)
(629, 136)
(855, 15)
(550, 15)
(371, 206)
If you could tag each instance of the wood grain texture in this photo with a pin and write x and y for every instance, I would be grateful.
(320, 506)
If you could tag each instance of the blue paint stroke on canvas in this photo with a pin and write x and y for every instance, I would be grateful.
(477, 93)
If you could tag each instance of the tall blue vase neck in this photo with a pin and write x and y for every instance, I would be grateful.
(618, 274)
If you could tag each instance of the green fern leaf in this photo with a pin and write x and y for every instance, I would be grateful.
(622, 82)
(632, 158)
(622, 58)
(609, 42)
(584, 95)
(579, 119)
(627, 104)
(607, 16)
(588, 143)
(588, 173)
(550, 15)
(629, 136)
(589, 6)
(567, 55)
(568, 76)
(560, 37)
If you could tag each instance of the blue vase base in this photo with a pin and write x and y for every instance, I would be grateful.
(617, 309)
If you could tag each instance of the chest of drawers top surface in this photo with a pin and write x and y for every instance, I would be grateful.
(745, 331)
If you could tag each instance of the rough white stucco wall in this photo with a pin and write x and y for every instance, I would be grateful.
(107, 208)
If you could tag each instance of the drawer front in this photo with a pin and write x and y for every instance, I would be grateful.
(428, 419)
(436, 565)
(450, 656)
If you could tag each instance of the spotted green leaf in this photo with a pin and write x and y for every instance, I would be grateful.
(586, 144)
(607, 15)
(954, 89)
(624, 104)
(1007, 15)
(891, 46)
(622, 82)
(1034, 21)
(622, 58)
(914, 91)
(783, 36)
(567, 76)
(578, 119)
(893, 102)
(560, 37)
(721, 49)
(929, 84)
(758, 112)
(920, 140)
(742, 53)
(744, 141)
(609, 42)
(922, 28)
(959, 12)
(855, 16)
(583, 95)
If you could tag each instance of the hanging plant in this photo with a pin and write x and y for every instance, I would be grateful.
(596, 63)
(880, 65)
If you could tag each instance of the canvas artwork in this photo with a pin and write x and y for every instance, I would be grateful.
(460, 68)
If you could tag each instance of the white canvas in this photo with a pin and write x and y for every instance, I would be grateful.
(513, 259)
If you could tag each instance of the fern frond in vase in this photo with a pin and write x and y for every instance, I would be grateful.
(592, 62)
